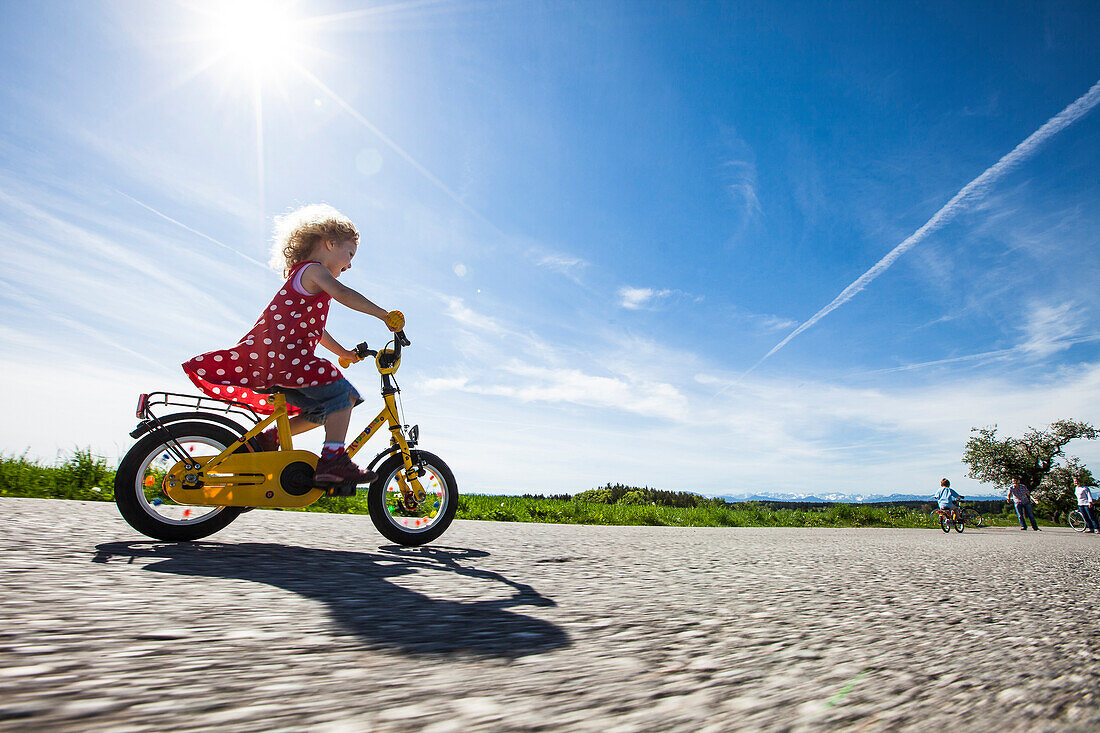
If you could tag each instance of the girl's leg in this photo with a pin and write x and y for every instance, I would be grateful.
(1090, 520)
(269, 439)
(334, 465)
(336, 426)
(298, 424)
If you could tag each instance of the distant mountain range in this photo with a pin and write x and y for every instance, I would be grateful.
(837, 498)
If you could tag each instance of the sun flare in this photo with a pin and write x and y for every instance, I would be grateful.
(253, 38)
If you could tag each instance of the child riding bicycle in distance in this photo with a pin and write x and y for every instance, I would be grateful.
(312, 247)
(946, 497)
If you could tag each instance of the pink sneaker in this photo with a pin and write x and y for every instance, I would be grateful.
(335, 467)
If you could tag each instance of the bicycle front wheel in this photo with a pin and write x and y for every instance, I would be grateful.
(960, 525)
(971, 517)
(421, 520)
(1077, 520)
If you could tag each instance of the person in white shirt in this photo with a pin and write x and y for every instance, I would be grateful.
(1084, 503)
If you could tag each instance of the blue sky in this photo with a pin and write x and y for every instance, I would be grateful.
(599, 218)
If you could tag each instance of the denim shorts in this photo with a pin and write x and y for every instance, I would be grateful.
(317, 403)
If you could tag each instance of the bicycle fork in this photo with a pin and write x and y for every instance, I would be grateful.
(408, 479)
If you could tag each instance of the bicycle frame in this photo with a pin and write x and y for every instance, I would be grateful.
(254, 469)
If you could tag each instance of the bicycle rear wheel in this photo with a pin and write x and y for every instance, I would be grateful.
(945, 524)
(1077, 520)
(138, 494)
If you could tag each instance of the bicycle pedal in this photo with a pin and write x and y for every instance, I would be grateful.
(340, 490)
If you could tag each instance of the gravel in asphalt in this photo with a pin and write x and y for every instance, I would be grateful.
(310, 622)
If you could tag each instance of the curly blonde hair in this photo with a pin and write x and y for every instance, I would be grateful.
(298, 231)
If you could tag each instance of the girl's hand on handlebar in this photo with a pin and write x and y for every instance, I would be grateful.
(348, 359)
(395, 320)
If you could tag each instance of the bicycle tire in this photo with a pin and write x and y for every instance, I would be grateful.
(945, 524)
(960, 525)
(971, 517)
(141, 513)
(410, 534)
(1076, 520)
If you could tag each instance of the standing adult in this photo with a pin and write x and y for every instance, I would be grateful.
(1022, 498)
(1084, 504)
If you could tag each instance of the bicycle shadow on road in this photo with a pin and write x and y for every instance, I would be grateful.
(355, 586)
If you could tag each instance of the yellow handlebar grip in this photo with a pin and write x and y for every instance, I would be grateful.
(395, 320)
(348, 362)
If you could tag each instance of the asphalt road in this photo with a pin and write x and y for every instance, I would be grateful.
(291, 621)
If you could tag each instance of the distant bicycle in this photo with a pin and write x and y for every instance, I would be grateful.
(958, 517)
(1077, 520)
(949, 518)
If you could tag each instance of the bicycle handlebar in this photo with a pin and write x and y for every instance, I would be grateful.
(362, 351)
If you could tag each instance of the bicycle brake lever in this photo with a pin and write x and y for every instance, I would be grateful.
(361, 352)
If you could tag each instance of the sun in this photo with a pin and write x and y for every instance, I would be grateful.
(252, 38)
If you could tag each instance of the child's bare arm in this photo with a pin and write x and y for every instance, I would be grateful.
(334, 346)
(318, 278)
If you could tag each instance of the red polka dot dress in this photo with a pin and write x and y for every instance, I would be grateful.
(277, 352)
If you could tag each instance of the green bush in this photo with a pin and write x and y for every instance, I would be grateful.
(82, 476)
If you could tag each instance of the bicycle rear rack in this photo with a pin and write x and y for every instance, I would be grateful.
(199, 403)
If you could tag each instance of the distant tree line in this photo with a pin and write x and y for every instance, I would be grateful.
(1037, 458)
(623, 494)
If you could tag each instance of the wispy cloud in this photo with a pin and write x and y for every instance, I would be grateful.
(639, 298)
(1050, 329)
(527, 383)
(737, 174)
(740, 180)
(568, 265)
(767, 434)
(648, 298)
(167, 174)
(759, 321)
(468, 317)
(970, 193)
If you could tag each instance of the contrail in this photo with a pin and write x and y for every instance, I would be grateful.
(399, 150)
(972, 192)
(1015, 351)
(196, 232)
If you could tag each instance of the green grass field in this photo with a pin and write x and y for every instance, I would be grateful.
(85, 476)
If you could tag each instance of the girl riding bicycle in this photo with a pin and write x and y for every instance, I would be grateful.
(312, 247)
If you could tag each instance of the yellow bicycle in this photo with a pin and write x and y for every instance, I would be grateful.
(193, 472)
